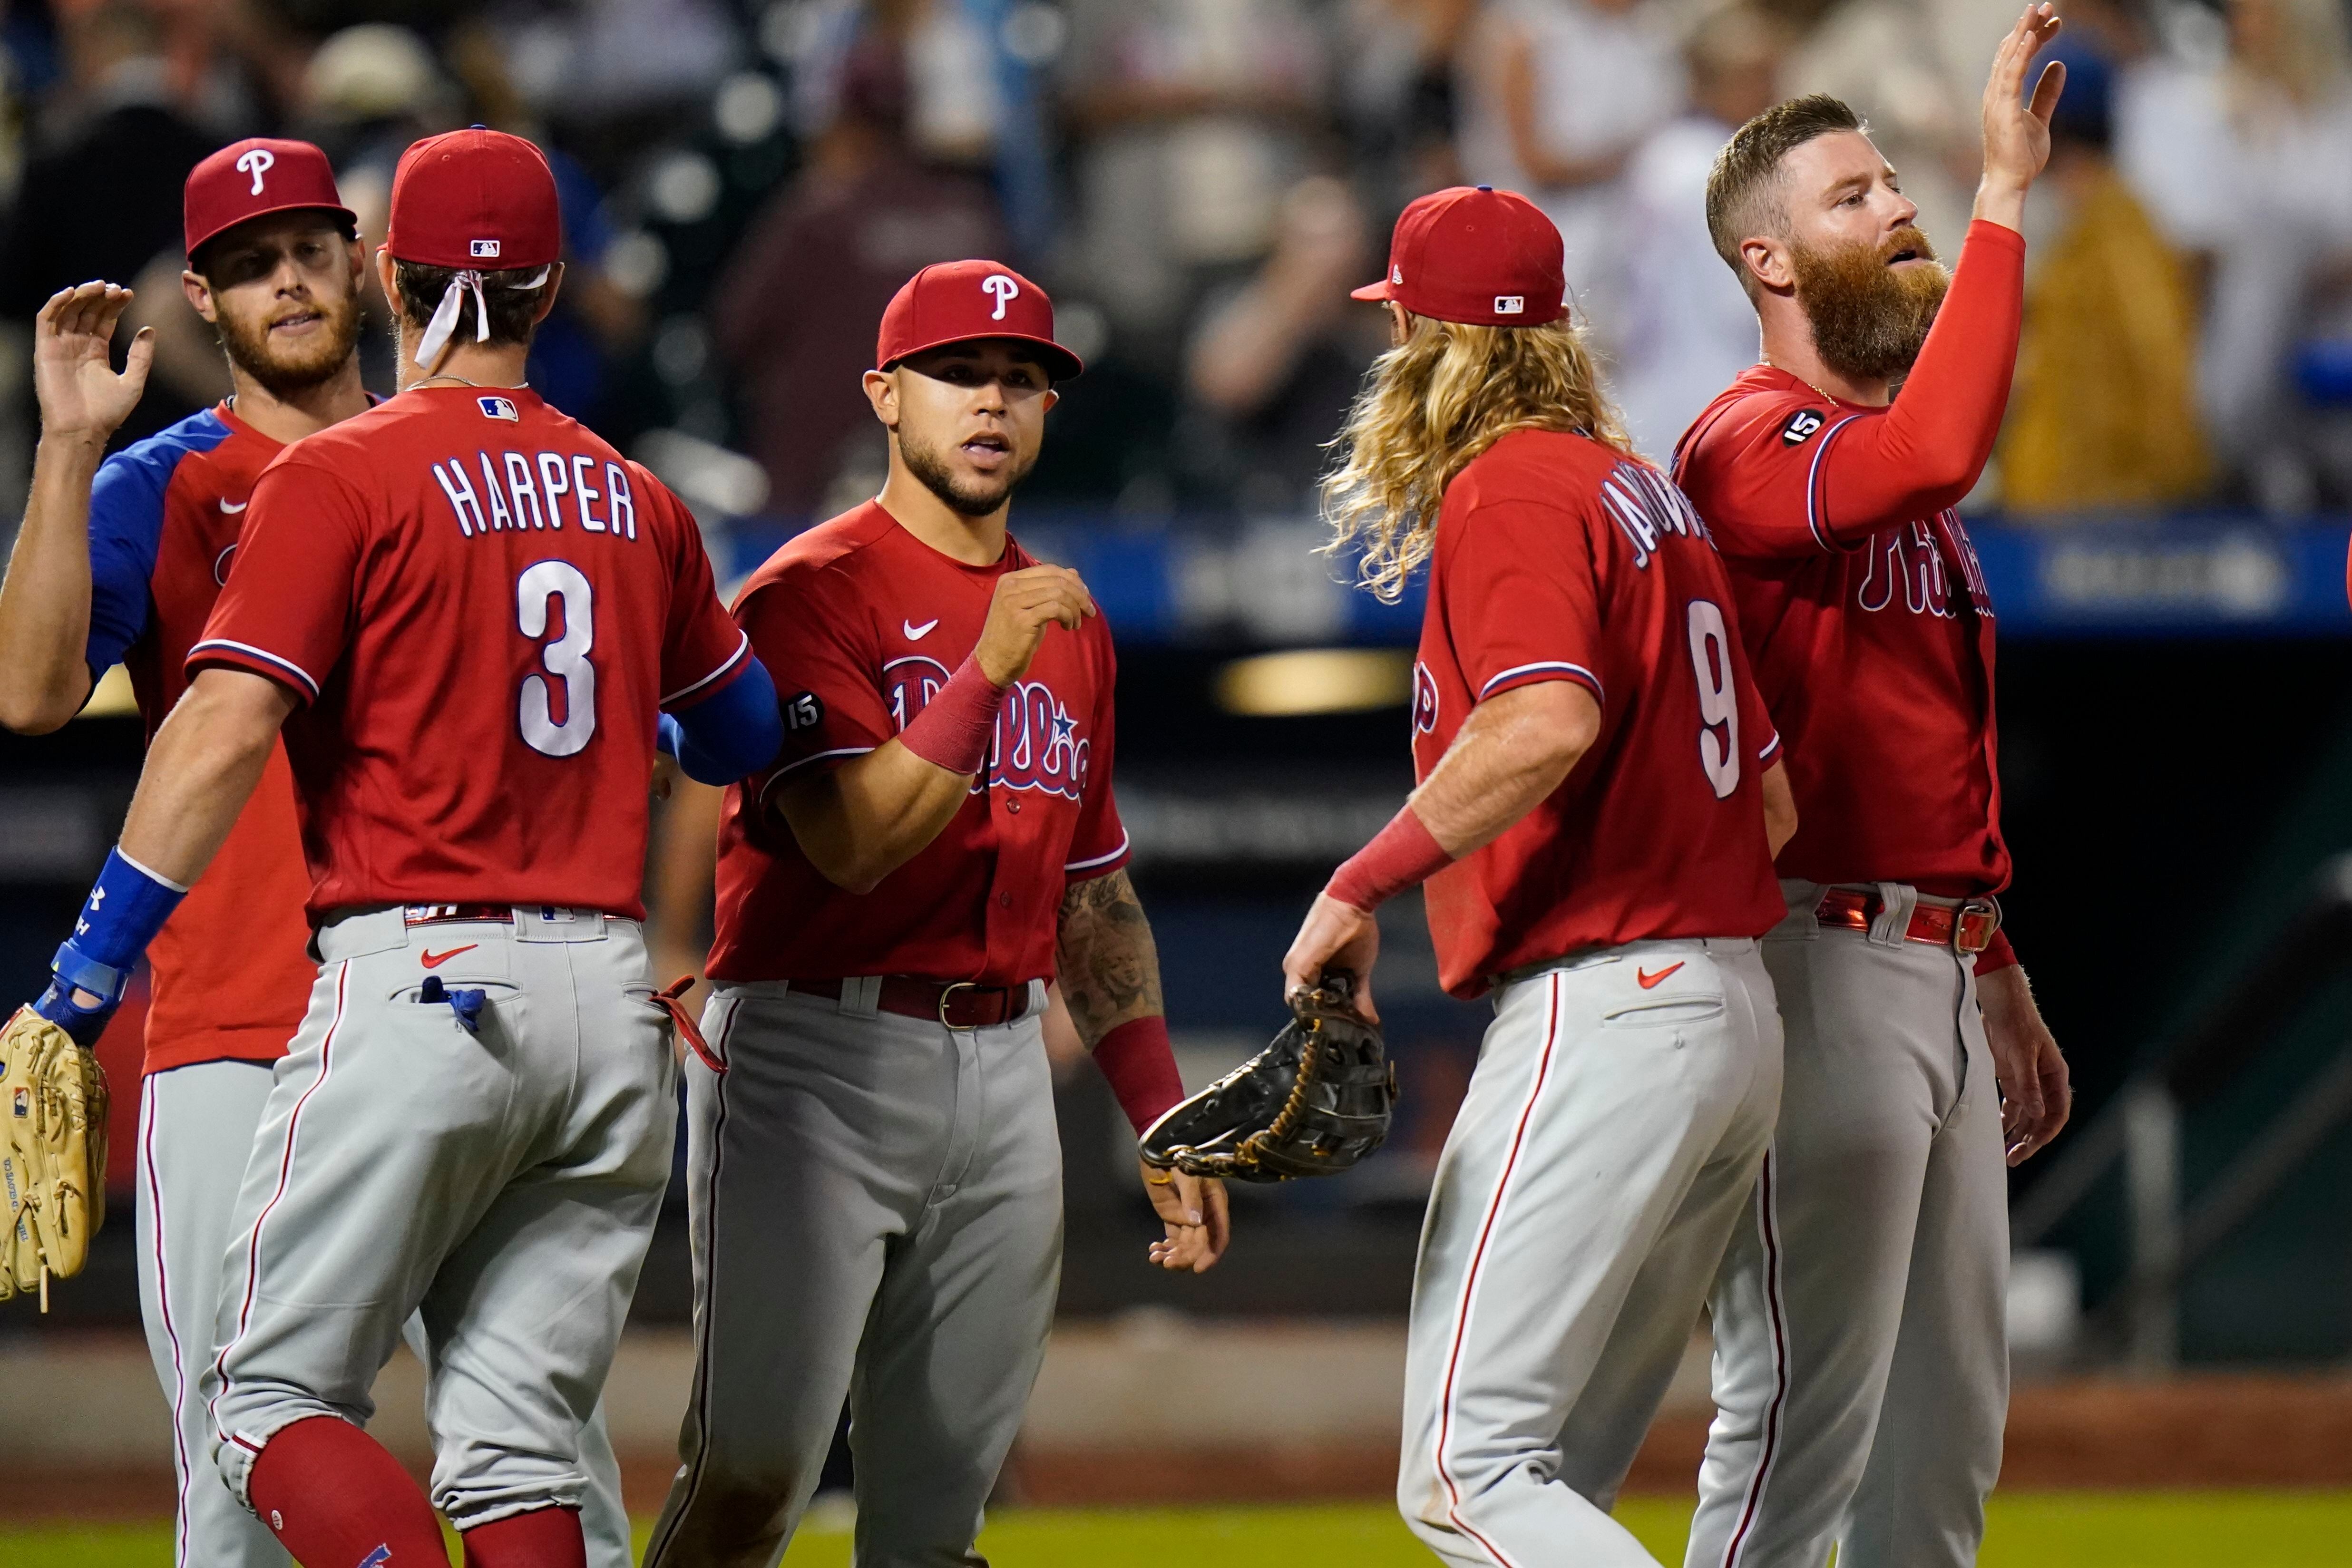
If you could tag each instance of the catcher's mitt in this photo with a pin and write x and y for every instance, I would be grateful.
(53, 1107)
(1314, 1103)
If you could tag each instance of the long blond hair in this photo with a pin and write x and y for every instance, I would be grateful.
(1432, 405)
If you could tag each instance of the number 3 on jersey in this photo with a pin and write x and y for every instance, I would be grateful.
(1719, 706)
(566, 657)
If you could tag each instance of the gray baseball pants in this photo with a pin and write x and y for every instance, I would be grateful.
(1861, 1358)
(501, 1188)
(197, 1127)
(1607, 1146)
(878, 1215)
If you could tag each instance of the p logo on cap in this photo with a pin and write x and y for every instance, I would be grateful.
(959, 301)
(252, 179)
(256, 161)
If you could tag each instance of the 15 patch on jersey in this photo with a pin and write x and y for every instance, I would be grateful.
(1802, 426)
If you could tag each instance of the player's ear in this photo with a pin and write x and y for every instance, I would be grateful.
(1051, 397)
(547, 293)
(388, 278)
(882, 392)
(1766, 260)
(199, 290)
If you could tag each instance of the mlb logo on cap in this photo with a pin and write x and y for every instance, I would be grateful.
(469, 196)
(1477, 255)
(499, 408)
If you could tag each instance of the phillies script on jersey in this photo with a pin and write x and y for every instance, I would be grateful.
(481, 607)
(861, 623)
(1557, 558)
(232, 968)
(1863, 603)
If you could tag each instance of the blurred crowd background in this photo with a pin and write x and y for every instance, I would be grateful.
(1199, 183)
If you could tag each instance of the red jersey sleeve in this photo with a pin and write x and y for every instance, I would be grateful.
(814, 634)
(287, 610)
(702, 647)
(1099, 846)
(1799, 474)
(1520, 600)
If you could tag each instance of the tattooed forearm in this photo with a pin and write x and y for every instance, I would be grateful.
(1109, 969)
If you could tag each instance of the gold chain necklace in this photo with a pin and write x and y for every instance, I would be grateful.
(1816, 386)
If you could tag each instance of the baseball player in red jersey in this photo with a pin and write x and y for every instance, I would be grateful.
(474, 612)
(873, 1166)
(1862, 1370)
(1601, 795)
(120, 562)
(124, 566)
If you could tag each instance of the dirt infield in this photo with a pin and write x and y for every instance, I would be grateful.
(2094, 1434)
(2215, 1431)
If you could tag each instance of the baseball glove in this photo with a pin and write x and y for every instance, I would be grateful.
(53, 1156)
(1314, 1103)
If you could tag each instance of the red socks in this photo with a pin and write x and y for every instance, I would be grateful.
(543, 1538)
(335, 1499)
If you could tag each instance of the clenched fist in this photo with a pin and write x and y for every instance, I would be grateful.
(1027, 602)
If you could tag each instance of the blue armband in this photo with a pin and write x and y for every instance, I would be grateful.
(735, 731)
(124, 911)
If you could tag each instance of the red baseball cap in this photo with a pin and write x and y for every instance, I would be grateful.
(1478, 256)
(957, 301)
(258, 175)
(475, 199)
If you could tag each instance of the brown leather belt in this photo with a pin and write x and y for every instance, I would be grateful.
(958, 1004)
(1964, 927)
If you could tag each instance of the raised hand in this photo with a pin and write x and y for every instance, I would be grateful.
(2016, 128)
(81, 396)
(1025, 603)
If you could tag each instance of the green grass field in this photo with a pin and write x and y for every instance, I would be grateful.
(2045, 1530)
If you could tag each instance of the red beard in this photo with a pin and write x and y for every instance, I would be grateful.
(1870, 318)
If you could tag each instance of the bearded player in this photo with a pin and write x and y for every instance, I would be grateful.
(122, 561)
(270, 255)
(1861, 1371)
(873, 1165)
(1600, 797)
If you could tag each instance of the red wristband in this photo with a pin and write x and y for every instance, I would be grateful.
(956, 726)
(1403, 854)
(1997, 955)
(1140, 1067)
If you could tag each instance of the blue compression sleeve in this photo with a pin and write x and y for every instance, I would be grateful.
(124, 913)
(735, 731)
